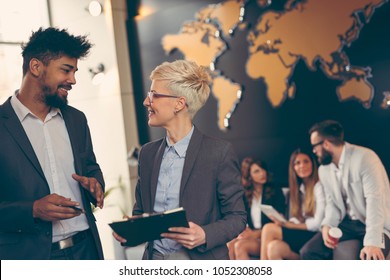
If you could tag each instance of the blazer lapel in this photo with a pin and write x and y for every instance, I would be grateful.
(343, 183)
(191, 154)
(155, 172)
(72, 132)
(346, 185)
(336, 185)
(345, 171)
(15, 129)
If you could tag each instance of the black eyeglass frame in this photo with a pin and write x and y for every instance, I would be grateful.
(316, 144)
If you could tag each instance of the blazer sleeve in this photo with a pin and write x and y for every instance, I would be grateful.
(230, 196)
(333, 214)
(374, 181)
(314, 223)
(137, 208)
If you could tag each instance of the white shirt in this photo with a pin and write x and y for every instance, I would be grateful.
(256, 212)
(51, 144)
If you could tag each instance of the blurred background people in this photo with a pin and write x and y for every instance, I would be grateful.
(245, 171)
(258, 190)
(306, 210)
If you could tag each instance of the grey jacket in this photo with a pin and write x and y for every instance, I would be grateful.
(368, 191)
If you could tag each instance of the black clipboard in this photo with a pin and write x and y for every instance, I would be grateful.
(148, 227)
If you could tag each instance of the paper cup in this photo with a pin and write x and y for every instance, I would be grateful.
(335, 234)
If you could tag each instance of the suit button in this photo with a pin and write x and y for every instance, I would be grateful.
(47, 233)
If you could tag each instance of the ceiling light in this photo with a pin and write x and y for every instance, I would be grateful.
(97, 74)
(95, 8)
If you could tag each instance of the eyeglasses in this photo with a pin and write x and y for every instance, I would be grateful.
(153, 94)
(316, 144)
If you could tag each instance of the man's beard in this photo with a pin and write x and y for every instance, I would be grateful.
(326, 157)
(53, 99)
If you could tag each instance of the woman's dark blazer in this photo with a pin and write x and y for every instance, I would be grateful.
(210, 190)
(273, 196)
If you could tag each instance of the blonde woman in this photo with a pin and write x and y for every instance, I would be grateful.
(307, 209)
(187, 169)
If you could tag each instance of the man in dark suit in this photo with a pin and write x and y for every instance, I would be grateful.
(48, 171)
(188, 169)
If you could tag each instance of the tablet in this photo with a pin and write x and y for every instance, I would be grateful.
(270, 211)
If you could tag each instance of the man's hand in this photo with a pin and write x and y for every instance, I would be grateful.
(325, 236)
(190, 238)
(54, 207)
(371, 253)
(93, 186)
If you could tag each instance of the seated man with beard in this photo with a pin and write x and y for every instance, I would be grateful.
(357, 194)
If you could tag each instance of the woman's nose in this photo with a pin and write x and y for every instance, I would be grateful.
(146, 102)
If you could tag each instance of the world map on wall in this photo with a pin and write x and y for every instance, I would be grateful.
(312, 31)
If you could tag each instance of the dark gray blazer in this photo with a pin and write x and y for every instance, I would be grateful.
(22, 181)
(210, 190)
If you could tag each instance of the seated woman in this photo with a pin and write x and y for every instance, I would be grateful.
(257, 191)
(307, 208)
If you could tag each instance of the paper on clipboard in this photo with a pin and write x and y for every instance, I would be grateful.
(270, 211)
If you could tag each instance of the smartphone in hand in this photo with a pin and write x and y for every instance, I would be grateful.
(76, 208)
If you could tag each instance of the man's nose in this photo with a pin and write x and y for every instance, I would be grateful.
(72, 79)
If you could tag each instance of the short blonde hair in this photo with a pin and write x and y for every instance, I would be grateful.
(187, 79)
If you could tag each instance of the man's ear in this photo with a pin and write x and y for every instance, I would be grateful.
(35, 67)
(326, 144)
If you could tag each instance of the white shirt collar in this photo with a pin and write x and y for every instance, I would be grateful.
(341, 161)
(22, 111)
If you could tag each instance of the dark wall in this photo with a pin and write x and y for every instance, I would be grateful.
(257, 128)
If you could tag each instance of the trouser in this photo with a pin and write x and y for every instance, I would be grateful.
(179, 255)
(315, 248)
(152, 254)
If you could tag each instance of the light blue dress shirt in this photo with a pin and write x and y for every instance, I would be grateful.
(168, 186)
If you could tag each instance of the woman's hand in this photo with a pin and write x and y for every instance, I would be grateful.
(190, 238)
